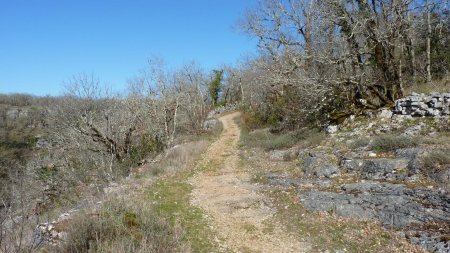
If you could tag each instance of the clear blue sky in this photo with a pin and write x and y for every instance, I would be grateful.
(44, 42)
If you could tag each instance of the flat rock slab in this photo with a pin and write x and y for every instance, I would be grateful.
(383, 167)
(392, 204)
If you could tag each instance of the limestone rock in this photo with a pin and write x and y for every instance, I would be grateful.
(383, 168)
(210, 124)
(328, 171)
(385, 114)
(419, 105)
(315, 160)
(352, 165)
(332, 129)
(392, 204)
(282, 155)
(414, 130)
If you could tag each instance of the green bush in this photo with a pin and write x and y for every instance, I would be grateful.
(390, 143)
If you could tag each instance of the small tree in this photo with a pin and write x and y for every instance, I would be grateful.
(215, 86)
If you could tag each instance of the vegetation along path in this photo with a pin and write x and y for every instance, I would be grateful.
(235, 209)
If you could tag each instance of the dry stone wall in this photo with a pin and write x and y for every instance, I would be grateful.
(419, 105)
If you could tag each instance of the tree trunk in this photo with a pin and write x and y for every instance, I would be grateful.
(242, 91)
(400, 66)
(174, 122)
(428, 42)
(308, 39)
(412, 52)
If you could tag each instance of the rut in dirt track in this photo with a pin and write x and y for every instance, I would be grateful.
(236, 211)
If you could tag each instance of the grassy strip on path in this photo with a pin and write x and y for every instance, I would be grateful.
(170, 198)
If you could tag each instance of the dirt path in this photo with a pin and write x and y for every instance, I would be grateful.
(237, 212)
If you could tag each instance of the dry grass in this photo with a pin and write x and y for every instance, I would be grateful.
(386, 143)
(263, 138)
(360, 142)
(177, 158)
(130, 220)
(123, 226)
(435, 163)
(437, 159)
(170, 198)
(325, 231)
(133, 221)
(269, 141)
(209, 135)
(436, 86)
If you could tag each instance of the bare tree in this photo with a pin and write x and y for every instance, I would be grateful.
(350, 53)
(428, 66)
(98, 116)
(192, 83)
(176, 99)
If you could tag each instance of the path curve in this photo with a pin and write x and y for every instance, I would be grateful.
(235, 209)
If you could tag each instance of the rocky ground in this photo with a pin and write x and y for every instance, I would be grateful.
(376, 183)
(392, 169)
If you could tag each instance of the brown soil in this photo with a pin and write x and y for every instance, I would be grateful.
(236, 210)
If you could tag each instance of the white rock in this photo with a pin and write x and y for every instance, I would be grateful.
(385, 114)
(331, 129)
(351, 118)
(372, 154)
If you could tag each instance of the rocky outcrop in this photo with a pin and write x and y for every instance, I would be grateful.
(283, 155)
(413, 155)
(383, 168)
(54, 232)
(301, 183)
(210, 124)
(319, 163)
(322, 164)
(419, 105)
(387, 189)
(393, 186)
(392, 204)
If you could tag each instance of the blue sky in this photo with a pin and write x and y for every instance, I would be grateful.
(44, 42)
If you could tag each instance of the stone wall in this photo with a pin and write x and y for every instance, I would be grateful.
(211, 120)
(419, 105)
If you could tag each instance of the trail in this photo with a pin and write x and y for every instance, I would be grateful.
(237, 212)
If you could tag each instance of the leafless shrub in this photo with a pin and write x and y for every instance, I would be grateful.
(123, 227)
(435, 163)
(388, 143)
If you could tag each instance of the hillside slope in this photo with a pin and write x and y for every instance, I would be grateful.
(235, 197)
